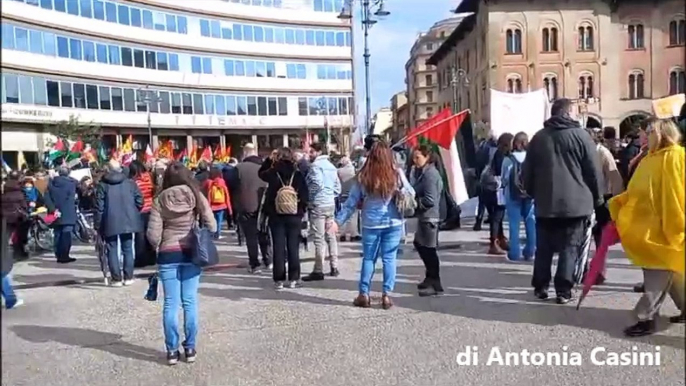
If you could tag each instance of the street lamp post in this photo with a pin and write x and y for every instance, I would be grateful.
(148, 96)
(367, 23)
(458, 77)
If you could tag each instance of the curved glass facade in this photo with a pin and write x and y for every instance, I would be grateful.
(93, 59)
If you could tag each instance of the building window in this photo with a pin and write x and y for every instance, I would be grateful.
(636, 85)
(429, 46)
(550, 84)
(429, 96)
(636, 36)
(585, 86)
(585, 38)
(677, 82)
(513, 41)
(429, 80)
(429, 112)
(550, 39)
(514, 85)
(677, 32)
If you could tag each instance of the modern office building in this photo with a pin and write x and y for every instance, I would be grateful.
(210, 72)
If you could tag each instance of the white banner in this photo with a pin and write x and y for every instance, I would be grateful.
(513, 113)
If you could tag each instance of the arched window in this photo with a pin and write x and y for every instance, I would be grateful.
(549, 39)
(514, 84)
(636, 85)
(585, 86)
(550, 84)
(677, 81)
(636, 36)
(513, 41)
(585, 38)
(677, 32)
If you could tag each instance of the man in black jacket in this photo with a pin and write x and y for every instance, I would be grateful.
(117, 218)
(61, 199)
(563, 174)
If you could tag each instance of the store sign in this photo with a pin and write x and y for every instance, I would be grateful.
(241, 121)
(21, 112)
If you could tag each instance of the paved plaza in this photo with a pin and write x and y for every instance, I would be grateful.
(87, 334)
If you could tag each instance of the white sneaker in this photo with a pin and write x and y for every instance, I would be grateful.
(294, 284)
(116, 284)
(278, 285)
(128, 282)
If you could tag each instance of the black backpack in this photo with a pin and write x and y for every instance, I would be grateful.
(516, 186)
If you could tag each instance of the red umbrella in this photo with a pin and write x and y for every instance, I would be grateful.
(609, 237)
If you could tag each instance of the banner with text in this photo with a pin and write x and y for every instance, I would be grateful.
(513, 113)
(668, 107)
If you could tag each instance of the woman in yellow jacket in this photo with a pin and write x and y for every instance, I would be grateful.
(650, 219)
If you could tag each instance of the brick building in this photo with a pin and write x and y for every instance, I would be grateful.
(612, 57)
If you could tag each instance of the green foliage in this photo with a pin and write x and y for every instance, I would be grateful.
(73, 130)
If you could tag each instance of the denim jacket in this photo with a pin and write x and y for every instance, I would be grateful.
(377, 212)
(506, 170)
(323, 183)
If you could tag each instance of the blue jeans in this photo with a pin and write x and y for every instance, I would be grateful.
(120, 245)
(219, 216)
(180, 282)
(8, 292)
(63, 237)
(516, 212)
(382, 242)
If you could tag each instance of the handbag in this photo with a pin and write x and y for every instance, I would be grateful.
(202, 249)
(405, 201)
(151, 293)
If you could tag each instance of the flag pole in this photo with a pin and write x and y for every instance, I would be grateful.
(424, 130)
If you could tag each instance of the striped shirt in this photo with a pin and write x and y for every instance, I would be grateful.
(144, 182)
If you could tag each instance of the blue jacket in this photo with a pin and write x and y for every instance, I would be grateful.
(323, 183)
(377, 212)
(61, 195)
(118, 203)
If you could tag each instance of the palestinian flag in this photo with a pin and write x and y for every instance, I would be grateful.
(183, 157)
(440, 132)
(59, 150)
(76, 150)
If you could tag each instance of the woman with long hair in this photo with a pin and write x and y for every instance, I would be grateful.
(650, 219)
(495, 200)
(285, 202)
(145, 253)
(518, 205)
(377, 190)
(174, 214)
(428, 185)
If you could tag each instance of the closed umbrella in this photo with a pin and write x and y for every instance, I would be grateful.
(609, 237)
(582, 259)
(101, 250)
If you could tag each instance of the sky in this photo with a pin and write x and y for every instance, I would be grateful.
(390, 41)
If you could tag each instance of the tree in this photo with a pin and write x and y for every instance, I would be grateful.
(73, 130)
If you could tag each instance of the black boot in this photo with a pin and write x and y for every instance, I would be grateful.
(642, 328)
(678, 318)
(640, 288)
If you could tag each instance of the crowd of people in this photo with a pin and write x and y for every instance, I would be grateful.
(563, 184)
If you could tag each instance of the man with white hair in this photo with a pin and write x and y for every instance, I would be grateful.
(117, 218)
(250, 189)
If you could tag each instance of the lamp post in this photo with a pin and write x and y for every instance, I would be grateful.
(148, 96)
(367, 23)
(458, 77)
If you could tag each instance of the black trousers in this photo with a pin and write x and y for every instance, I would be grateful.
(145, 253)
(431, 262)
(286, 241)
(563, 236)
(254, 240)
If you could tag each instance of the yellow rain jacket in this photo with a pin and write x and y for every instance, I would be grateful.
(650, 214)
